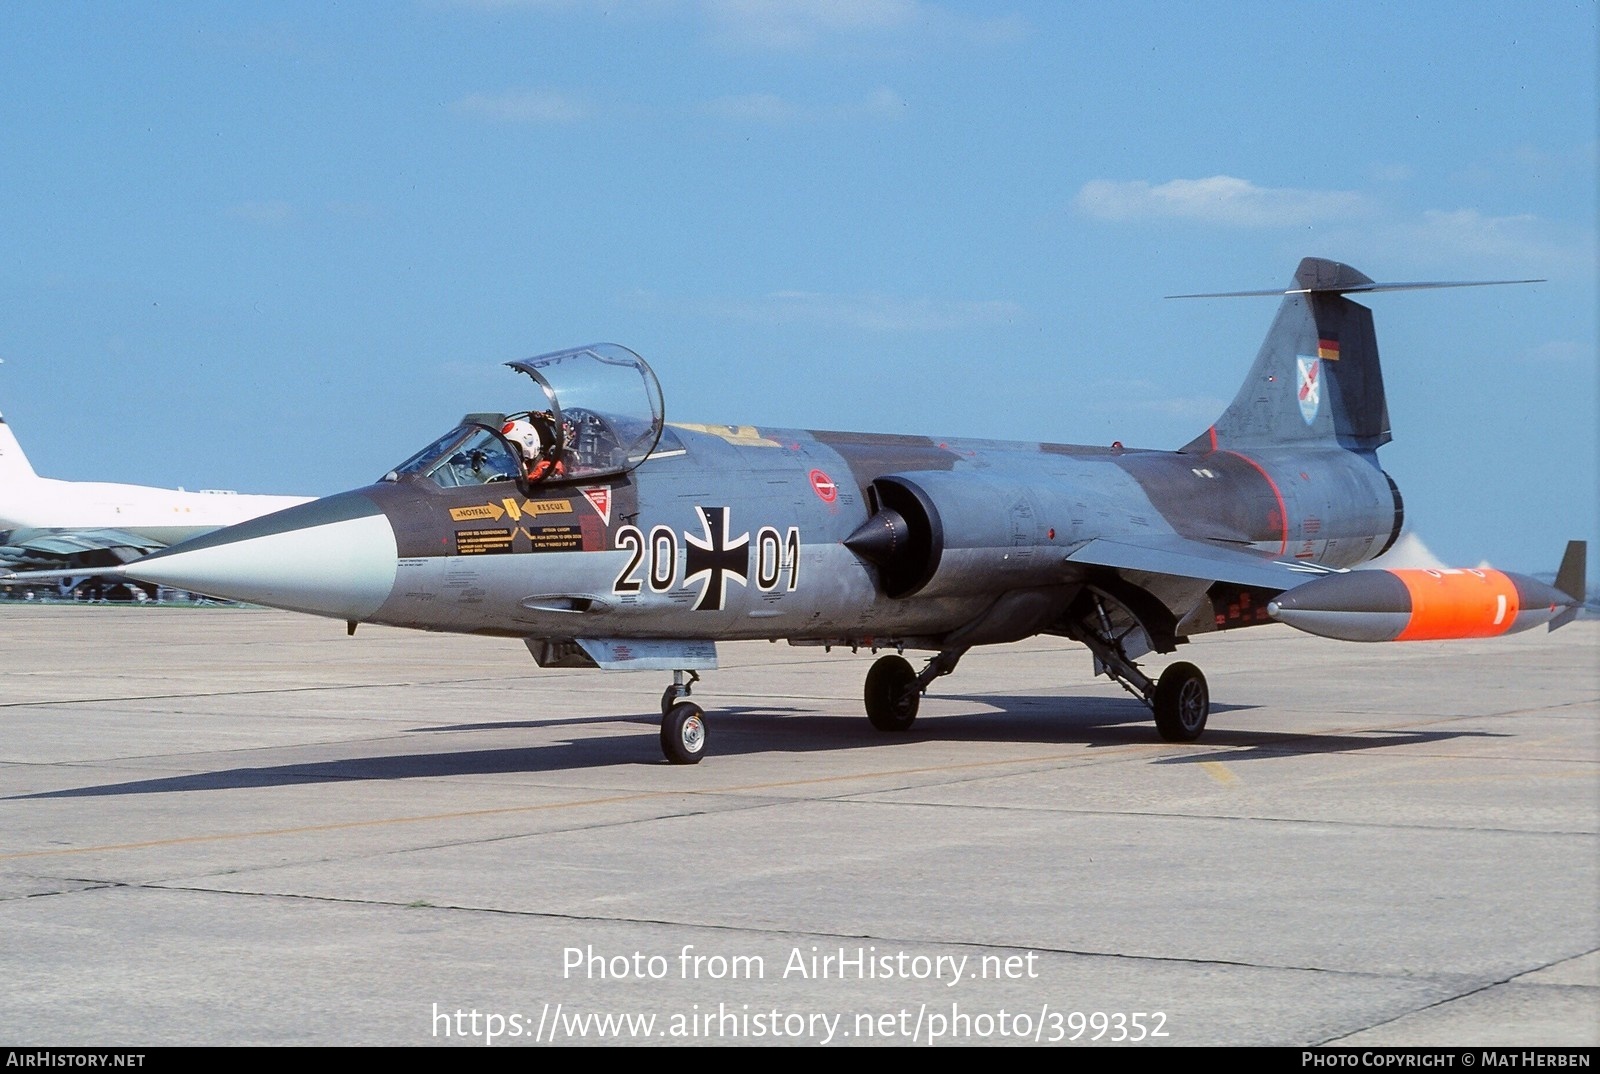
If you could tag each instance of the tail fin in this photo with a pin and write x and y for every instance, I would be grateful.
(14, 465)
(1572, 580)
(1316, 378)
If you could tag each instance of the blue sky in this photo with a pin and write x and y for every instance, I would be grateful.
(278, 247)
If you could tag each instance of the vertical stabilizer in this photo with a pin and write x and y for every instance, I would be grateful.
(1572, 576)
(1572, 579)
(14, 465)
(1316, 378)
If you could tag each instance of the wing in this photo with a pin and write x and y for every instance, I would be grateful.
(1197, 560)
(62, 550)
(1150, 592)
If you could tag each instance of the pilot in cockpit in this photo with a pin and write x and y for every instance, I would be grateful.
(534, 436)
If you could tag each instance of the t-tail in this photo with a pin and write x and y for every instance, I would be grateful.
(1323, 346)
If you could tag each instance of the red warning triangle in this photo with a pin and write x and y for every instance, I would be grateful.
(599, 497)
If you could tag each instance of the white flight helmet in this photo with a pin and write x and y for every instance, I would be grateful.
(526, 436)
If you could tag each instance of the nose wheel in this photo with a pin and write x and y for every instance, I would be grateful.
(683, 733)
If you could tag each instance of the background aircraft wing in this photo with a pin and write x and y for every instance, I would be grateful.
(88, 549)
(1186, 558)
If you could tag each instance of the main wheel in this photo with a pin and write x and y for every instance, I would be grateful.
(892, 694)
(1182, 703)
(683, 733)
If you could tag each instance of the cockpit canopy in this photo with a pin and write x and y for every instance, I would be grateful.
(596, 412)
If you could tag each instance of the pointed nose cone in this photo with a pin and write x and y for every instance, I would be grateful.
(334, 557)
(878, 538)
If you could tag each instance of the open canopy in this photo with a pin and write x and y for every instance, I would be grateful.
(596, 412)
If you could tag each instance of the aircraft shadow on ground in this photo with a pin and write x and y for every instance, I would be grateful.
(748, 730)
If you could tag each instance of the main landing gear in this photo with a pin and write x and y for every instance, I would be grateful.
(892, 695)
(894, 690)
(1180, 699)
(1181, 702)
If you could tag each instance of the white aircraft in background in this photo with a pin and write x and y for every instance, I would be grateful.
(46, 524)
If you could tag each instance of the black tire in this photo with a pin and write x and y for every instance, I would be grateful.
(683, 733)
(1182, 703)
(891, 694)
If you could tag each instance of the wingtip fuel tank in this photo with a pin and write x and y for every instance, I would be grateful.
(1430, 605)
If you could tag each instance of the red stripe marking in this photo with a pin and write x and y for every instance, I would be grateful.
(1283, 512)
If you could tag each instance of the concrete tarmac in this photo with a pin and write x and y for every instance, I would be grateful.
(241, 827)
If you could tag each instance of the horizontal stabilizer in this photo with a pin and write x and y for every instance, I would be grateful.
(1322, 277)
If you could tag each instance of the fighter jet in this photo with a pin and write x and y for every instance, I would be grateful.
(582, 523)
(78, 527)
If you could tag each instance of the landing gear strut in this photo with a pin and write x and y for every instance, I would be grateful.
(1180, 701)
(678, 690)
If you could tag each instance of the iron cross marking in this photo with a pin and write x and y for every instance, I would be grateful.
(716, 558)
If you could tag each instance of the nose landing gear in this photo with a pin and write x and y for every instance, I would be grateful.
(683, 723)
(683, 733)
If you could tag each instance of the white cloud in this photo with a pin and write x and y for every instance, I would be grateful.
(1468, 234)
(868, 26)
(871, 312)
(1350, 219)
(772, 109)
(1221, 199)
(797, 25)
(524, 106)
(503, 5)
